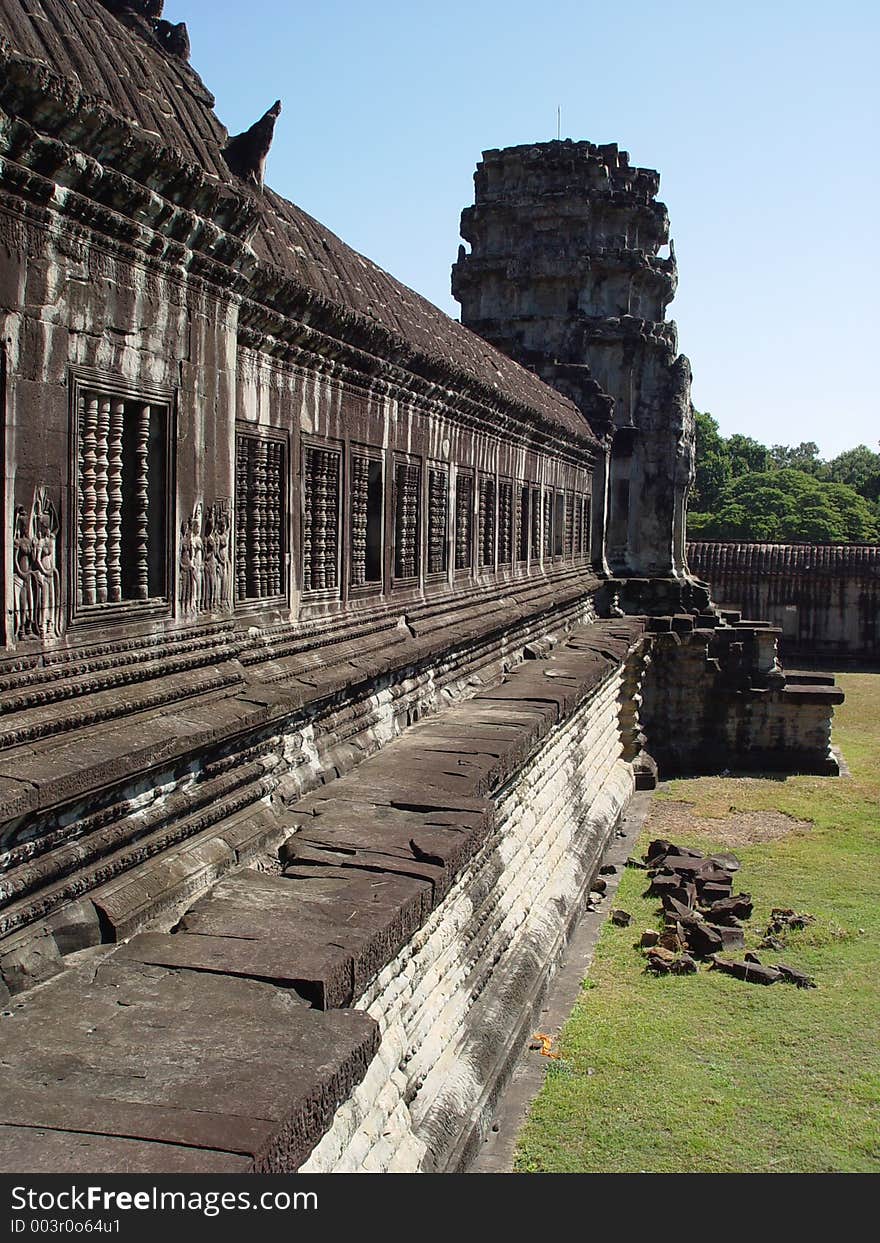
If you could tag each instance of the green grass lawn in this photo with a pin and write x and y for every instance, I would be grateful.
(707, 1073)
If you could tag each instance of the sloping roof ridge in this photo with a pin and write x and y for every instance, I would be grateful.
(532, 390)
(135, 82)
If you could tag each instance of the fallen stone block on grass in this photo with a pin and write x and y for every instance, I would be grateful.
(729, 862)
(729, 910)
(665, 962)
(674, 908)
(732, 936)
(702, 939)
(784, 919)
(702, 918)
(751, 972)
(791, 975)
(671, 940)
(715, 890)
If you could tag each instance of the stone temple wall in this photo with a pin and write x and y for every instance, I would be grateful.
(716, 700)
(389, 954)
(825, 598)
(151, 811)
(455, 1006)
(318, 700)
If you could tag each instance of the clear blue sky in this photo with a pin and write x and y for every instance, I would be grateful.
(761, 117)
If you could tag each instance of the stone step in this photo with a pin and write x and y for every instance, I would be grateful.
(15, 706)
(60, 661)
(149, 687)
(80, 676)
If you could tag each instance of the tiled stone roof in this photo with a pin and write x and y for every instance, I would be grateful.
(120, 66)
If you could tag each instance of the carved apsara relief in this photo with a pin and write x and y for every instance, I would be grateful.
(36, 578)
(204, 561)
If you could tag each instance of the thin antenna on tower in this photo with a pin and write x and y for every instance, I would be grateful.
(558, 124)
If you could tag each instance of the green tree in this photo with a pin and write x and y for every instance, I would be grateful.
(859, 468)
(788, 506)
(803, 457)
(746, 455)
(712, 464)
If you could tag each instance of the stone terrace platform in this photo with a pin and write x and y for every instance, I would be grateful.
(228, 1044)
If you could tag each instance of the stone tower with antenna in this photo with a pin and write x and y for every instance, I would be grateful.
(565, 275)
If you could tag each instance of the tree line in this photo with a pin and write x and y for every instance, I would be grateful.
(781, 494)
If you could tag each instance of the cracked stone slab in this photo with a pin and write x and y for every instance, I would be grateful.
(431, 844)
(34, 1149)
(368, 916)
(130, 1051)
(321, 973)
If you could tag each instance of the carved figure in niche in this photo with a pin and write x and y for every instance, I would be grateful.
(186, 587)
(218, 565)
(197, 554)
(204, 559)
(36, 579)
(191, 562)
(21, 573)
(223, 533)
(211, 571)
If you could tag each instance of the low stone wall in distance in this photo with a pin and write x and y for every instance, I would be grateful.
(825, 598)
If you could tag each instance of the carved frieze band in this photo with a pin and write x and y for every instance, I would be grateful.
(36, 578)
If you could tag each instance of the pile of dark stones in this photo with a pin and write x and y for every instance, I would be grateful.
(703, 918)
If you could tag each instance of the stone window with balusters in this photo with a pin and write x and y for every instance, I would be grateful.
(121, 441)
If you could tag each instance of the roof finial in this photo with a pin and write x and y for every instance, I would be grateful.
(174, 38)
(246, 153)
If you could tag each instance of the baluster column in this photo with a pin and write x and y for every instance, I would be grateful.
(88, 440)
(142, 503)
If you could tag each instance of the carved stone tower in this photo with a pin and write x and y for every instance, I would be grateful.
(565, 275)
